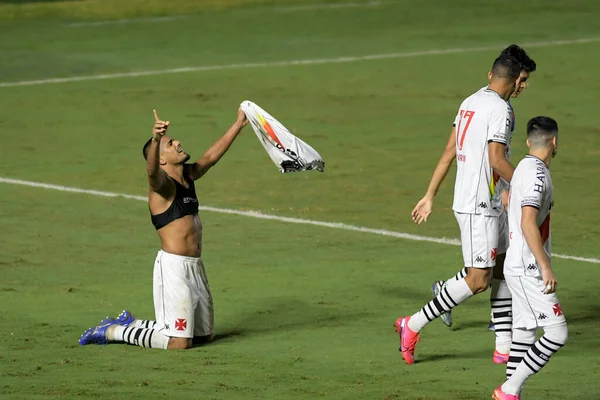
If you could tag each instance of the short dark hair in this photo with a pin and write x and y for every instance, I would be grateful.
(541, 130)
(507, 66)
(520, 54)
(146, 149)
(542, 125)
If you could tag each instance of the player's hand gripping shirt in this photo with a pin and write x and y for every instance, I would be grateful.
(482, 118)
(531, 186)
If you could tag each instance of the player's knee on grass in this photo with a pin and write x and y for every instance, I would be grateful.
(176, 343)
(557, 333)
(499, 268)
(478, 279)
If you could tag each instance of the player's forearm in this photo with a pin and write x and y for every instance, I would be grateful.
(503, 167)
(534, 240)
(439, 174)
(220, 147)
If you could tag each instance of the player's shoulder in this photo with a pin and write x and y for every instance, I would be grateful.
(485, 98)
(531, 167)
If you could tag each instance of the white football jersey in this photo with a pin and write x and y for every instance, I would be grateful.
(531, 185)
(501, 184)
(482, 118)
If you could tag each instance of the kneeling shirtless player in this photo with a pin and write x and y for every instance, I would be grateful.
(182, 300)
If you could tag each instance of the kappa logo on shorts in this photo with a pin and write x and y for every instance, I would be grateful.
(531, 267)
(542, 316)
(482, 205)
(479, 259)
(180, 324)
(557, 310)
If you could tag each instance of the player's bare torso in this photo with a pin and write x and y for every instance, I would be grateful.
(182, 236)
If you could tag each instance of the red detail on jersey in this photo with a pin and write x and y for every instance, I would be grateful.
(493, 255)
(469, 116)
(557, 310)
(545, 229)
(180, 324)
(510, 236)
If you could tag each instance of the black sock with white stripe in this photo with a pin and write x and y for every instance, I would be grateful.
(534, 359)
(454, 293)
(501, 302)
(150, 338)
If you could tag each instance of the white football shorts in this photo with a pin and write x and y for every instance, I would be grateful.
(182, 301)
(531, 308)
(479, 239)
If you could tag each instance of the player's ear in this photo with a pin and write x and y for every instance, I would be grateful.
(490, 76)
(528, 143)
(162, 161)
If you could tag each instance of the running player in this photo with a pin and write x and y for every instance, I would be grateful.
(182, 300)
(478, 140)
(527, 269)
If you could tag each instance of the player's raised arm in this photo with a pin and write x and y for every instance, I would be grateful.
(157, 178)
(425, 206)
(220, 147)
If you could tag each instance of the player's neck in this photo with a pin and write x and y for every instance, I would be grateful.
(543, 154)
(175, 172)
(501, 89)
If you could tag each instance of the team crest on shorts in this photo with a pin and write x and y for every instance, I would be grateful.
(557, 310)
(180, 324)
(493, 254)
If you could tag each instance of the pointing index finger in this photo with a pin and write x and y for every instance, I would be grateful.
(155, 115)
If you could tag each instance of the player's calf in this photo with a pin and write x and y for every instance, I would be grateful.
(478, 279)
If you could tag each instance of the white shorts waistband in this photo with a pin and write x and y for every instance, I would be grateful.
(176, 257)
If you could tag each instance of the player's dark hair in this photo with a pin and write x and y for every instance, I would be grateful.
(507, 66)
(541, 129)
(146, 149)
(520, 54)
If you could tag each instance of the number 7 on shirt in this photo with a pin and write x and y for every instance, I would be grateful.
(460, 134)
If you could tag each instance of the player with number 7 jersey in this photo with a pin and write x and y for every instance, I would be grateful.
(479, 141)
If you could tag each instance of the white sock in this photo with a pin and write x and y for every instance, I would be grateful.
(460, 275)
(536, 357)
(454, 293)
(143, 323)
(150, 338)
(501, 302)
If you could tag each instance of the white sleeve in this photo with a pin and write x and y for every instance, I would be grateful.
(499, 124)
(532, 187)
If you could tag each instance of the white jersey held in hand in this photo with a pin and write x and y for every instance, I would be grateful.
(289, 153)
(482, 118)
(531, 186)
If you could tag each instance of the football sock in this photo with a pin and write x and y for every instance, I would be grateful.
(143, 323)
(536, 357)
(460, 275)
(151, 338)
(501, 301)
(450, 296)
